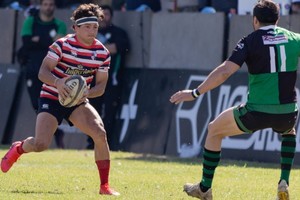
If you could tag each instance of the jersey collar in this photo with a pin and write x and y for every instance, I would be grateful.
(267, 27)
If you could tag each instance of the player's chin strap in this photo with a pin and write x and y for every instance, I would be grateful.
(86, 20)
(195, 93)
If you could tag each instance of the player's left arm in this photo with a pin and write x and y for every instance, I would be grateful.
(101, 78)
(100, 84)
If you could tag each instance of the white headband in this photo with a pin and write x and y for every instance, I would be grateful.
(86, 20)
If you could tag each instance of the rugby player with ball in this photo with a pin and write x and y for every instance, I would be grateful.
(67, 71)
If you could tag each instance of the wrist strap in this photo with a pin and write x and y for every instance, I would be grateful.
(195, 93)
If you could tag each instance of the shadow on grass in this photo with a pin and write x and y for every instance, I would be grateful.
(198, 161)
(35, 192)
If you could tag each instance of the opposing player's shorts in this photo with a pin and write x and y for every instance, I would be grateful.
(251, 121)
(54, 108)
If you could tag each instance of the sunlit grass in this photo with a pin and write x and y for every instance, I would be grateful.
(72, 174)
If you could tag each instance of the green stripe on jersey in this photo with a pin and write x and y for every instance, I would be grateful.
(263, 88)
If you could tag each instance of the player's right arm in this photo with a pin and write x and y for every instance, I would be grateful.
(218, 76)
(214, 79)
(46, 76)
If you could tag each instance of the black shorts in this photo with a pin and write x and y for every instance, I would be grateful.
(54, 108)
(251, 121)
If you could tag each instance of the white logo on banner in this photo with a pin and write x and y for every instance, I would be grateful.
(263, 140)
(193, 148)
(128, 111)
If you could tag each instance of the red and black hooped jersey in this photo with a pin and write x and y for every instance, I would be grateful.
(75, 58)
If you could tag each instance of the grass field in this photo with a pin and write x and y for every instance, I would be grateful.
(72, 175)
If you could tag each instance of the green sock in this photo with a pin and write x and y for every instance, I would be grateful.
(210, 162)
(288, 148)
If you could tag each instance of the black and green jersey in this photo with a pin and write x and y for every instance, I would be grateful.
(271, 54)
(33, 25)
(47, 32)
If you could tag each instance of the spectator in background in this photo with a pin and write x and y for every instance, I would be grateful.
(15, 5)
(295, 7)
(33, 8)
(116, 41)
(205, 6)
(72, 4)
(226, 6)
(38, 33)
(142, 5)
(101, 2)
(118, 5)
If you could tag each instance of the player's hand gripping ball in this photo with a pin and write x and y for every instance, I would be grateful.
(77, 86)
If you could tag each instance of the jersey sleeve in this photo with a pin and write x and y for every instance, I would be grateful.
(298, 37)
(27, 26)
(105, 65)
(61, 27)
(55, 50)
(239, 53)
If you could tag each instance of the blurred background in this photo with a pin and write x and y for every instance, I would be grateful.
(174, 44)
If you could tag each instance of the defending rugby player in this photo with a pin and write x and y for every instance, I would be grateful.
(271, 54)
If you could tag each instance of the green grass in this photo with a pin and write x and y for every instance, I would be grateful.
(72, 175)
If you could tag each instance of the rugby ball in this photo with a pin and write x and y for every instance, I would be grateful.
(77, 86)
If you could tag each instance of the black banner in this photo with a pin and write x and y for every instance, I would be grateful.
(149, 123)
(9, 75)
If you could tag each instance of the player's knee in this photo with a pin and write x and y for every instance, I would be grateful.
(98, 133)
(40, 146)
(213, 130)
(292, 132)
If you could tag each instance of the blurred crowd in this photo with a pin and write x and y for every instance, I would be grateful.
(61, 4)
(204, 6)
(137, 5)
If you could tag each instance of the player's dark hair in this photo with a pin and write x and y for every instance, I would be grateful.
(106, 7)
(87, 10)
(266, 12)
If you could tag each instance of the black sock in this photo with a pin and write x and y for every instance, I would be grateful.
(203, 188)
(210, 162)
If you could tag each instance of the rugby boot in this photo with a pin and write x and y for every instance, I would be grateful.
(195, 191)
(107, 190)
(10, 157)
(283, 191)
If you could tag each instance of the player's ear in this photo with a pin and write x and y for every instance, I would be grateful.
(255, 23)
(254, 19)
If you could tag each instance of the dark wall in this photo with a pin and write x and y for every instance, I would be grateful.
(9, 76)
(149, 123)
(7, 24)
